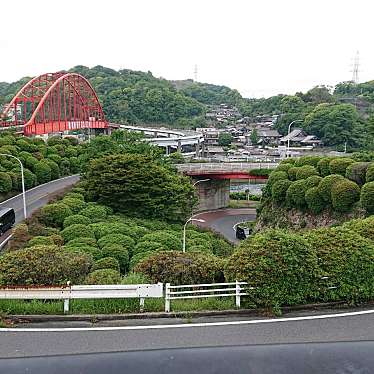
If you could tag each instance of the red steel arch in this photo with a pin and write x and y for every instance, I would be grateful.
(54, 102)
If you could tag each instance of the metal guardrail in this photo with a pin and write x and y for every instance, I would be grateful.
(67, 293)
(200, 291)
(223, 166)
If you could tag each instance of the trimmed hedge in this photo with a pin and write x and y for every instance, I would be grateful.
(148, 247)
(77, 230)
(295, 195)
(95, 212)
(281, 267)
(119, 253)
(314, 200)
(363, 227)
(367, 197)
(276, 176)
(344, 194)
(339, 165)
(292, 173)
(76, 219)
(283, 167)
(54, 214)
(313, 181)
(106, 263)
(167, 238)
(5, 182)
(123, 240)
(326, 184)
(308, 160)
(279, 190)
(76, 205)
(306, 171)
(356, 172)
(370, 173)
(323, 166)
(103, 276)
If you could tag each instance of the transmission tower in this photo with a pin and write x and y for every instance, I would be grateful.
(356, 65)
(195, 73)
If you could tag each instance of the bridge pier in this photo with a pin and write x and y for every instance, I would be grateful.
(213, 194)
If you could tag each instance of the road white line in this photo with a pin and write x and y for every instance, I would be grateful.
(189, 325)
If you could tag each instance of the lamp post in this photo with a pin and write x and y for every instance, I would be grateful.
(184, 230)
(23, 182)
(200, 181)
(288, 135)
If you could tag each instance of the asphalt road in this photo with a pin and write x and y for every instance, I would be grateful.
(223, 220)
(337, 329)
(37, 196)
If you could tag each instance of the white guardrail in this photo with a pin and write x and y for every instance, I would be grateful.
(67, 293)
(201, 291)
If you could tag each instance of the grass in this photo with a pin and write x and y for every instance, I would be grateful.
(112, 306)
(237, 204)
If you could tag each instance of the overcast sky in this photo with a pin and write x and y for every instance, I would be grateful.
(260, 47)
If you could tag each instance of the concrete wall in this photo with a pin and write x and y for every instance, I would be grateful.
(213, 194)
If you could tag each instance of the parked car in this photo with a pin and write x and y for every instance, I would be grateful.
(7, 219)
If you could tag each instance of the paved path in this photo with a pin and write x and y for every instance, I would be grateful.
(223, 220)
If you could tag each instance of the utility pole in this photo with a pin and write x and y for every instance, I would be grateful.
(195, 73)
(356, 65)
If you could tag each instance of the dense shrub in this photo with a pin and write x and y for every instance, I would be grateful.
(82, 241)
(138, 257)
(281, 266)
(74, 195)
(260, 172)
(106, 263)
(276, 176)
(43, 172)
(308, 160)
(370, 173)
(292, 173)
(323, 166)
(181, 268)
(344, 194)
(221, 247)
(75, 219)
(106, 228)
(167, 238)
(289, 160)
(40, 240)
(313, 181)
(94, 252)
(367, 197)
(314, 200)
(200, 242)
(5, 182)
(295, 195)
(306, 171)
(95, 212)
(43, 265)
(77, 231)
(56, 239)
(54, 214)
(279, 190)
(148, 247)
(20, 236)
(103, 276)
(356, 172)
(347, 259)
(123, 240)
(326, 184)
(55, 169)
(284, 167)
(119, 253)
(339, 165)
(76, 205)
(30, 179)
(363, 227)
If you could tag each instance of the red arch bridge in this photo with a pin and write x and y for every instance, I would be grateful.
(54, 102)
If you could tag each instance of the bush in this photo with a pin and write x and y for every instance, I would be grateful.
(43, 265)
(356, 172)
(370, 173)
(54, 214)
(181, 268)
(5, 182)
(323, 166)
(284, 167)
(43, 172)
(103, 276)
(55, 170)
(326, 184)
(76, 231)
(106, 228)
(76, 205)
(221, 247)
(118, 252)
(313, 181)
(363, 227)
(74, 195)
(57, 239)
(308, 161)
(82, 241)
(292, 173)
(276, 176)
(314, 200)
(339, 165)
(95, 212)
(167, 238)
(30, 179)
(94, 252)
(40, 240)
(344, 194)
(367, 197)
(138, 257)
(148, 247)
(306, 171)
(106, 263)
(260, 172)
(281, 266)
(347, 259)
(279, 190)
(123, 240)
(75, 219)
(295, 195)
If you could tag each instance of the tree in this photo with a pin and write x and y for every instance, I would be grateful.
(224, 139)
(136, 185)
(254, 136)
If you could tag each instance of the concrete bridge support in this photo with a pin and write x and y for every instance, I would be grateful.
(213, 194)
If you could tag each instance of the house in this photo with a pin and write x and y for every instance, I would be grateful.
(298, 137)
(268, 136)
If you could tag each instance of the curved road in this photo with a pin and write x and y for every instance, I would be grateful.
(224, 220)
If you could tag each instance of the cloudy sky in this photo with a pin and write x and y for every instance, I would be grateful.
(260, 47)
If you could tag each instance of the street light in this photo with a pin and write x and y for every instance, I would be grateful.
(23, 181)
(184, 230)
(200, 181)
(288, 135)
